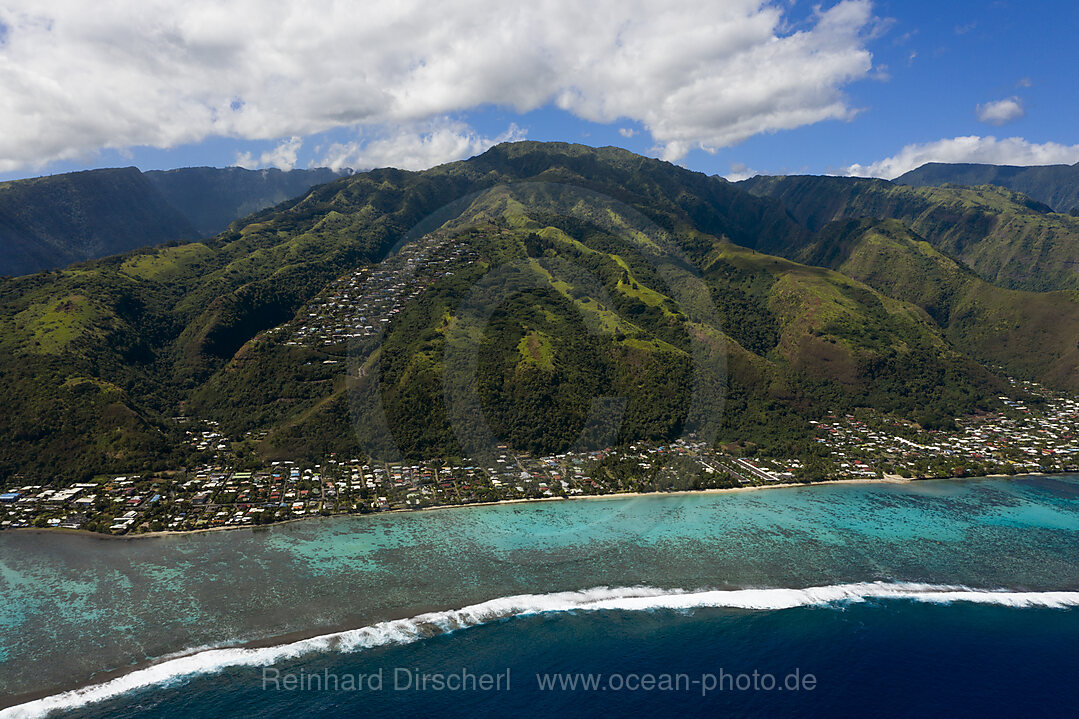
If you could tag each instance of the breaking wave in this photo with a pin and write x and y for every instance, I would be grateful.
(404, 631)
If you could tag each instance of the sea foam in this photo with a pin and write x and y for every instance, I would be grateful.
(404, 631)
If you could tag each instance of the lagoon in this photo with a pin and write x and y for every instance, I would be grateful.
(78, 608)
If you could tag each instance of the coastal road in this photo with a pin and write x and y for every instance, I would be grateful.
(756, 472)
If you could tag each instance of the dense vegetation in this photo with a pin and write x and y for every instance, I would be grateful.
(99, 357)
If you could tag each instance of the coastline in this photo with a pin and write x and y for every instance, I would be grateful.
(392, 615)
(887, 479)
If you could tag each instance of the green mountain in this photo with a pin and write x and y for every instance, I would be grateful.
(1007, 238)
(540, 275)
(1055, 185)
(1031, 334)
(54, 221)
(211, 198)
(589, 315)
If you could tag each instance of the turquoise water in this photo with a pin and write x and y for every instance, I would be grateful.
(77, 606)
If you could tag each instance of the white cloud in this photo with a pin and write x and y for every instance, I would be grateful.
(76, 77)
(740, 171)
(1001, 112)
(986, 150)
(627, 132)
(283, 156)
(415, 148)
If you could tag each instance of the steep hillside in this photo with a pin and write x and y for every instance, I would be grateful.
(1055, 185)
(1007, 238)
(57, 220)
(257, 328)
(211, 198)
(586, 315)
(1031, 334)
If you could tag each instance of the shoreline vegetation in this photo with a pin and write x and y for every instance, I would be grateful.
(888, 479)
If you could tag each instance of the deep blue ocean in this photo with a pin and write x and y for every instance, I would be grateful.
(928, 599)
(882, 659)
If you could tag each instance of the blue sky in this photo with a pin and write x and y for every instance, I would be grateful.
(857, 87)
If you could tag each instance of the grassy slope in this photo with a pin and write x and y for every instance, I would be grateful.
(1007, 238)
(1032, 334)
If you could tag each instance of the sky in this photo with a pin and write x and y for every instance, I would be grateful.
(727, 87)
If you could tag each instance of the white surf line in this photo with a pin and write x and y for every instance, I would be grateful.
(405, 631)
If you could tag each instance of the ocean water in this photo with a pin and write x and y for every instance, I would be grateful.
(945, 597)
(874, 660)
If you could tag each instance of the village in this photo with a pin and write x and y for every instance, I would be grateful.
(1020, 440)
(223, 492)
(213, 496)
(356, 309)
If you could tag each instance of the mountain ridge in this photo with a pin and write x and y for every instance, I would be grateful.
(56, 220)
(1006, 237)
(1055, 185)
(211, 198)
(250, 328)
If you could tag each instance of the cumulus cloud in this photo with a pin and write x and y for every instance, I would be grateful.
(283, 156)
(414, 148)
(76, 77)
(986, 150)
(1001, 112)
